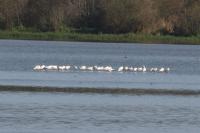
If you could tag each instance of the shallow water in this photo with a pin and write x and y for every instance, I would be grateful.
(61, 112)
(17, 59)
(22, 112)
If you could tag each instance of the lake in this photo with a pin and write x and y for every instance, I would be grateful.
(50, 112)
(17, 59)
(22, 112)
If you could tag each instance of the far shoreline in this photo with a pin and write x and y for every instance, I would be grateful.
(104, 38)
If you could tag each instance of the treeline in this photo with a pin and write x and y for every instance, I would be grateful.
(175, 17)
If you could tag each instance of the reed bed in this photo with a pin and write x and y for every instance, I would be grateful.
(116, 38)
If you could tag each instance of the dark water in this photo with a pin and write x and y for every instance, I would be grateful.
(17, 59)
(22, 112)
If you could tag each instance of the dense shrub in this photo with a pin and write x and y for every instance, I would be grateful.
(175, 17)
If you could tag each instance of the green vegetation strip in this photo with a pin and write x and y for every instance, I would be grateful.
(130, 38)
(101, 90)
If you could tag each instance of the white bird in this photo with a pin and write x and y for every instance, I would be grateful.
(43, 67)
(131, 69)
(83, 68)
(126, 68)
(90, 68)
(162, 69)
(140, 69)
(67, 67)
(168, 69)
(52, 67)
(48, 67)
(62, 68)
(144, 69)
(101, 68)
(154, 69)
(39, 67)
(108, 68)
(120, 69)
(75, 67)
(135, 69)
(98, 68)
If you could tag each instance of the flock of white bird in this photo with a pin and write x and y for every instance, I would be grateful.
(100, 68)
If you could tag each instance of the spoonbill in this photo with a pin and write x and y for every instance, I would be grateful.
(39, 67)
(144, 69)
(120, 69)
(135, 69)
(52, 67)
(82, 67)
(90, 68)
(162, 69)
(62, 68)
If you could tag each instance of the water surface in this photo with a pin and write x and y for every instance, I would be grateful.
(22, 112)
(60, 112)
(17, 59)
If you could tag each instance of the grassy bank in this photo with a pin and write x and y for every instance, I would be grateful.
(131, 38)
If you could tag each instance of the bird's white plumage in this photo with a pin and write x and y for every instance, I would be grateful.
(101, 68)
